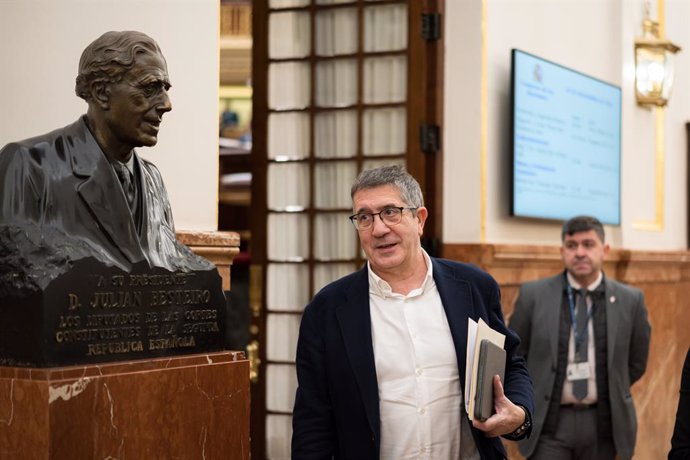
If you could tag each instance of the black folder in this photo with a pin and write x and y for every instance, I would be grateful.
(492, 361)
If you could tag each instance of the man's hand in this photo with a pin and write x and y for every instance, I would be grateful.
(508, 416)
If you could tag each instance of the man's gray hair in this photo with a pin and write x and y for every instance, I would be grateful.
(109, 57)
(397, 176)
(582, 224)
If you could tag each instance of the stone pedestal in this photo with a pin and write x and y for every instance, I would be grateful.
(218, 247)
(185, 407)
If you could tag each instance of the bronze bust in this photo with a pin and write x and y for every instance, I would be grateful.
(61, 199)
(87, 233)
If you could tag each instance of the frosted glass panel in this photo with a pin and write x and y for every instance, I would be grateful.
(385, 79)
(288, 85)
(282, 332)
(335, 134)
(287, 3)
(288, 237)
(287, 287)
(288, 136)
(384, 131)
(385, 28)
(336, 31)
(281, 383)
(326, 273)
(278, 437)
(289, 35)
(333, 181)
(336, 83)
(334, 237)
(288, 186)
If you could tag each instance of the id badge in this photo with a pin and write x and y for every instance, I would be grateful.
(577, 371)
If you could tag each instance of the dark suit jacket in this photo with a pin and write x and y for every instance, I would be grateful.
(59, 193)
(536, 320)
(337, 403)
(680, 442)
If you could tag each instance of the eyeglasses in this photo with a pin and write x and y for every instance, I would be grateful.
(389, 216)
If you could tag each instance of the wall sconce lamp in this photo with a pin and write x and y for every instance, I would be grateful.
(654, 59)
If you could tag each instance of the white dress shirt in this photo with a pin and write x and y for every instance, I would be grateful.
(420, 398)
(567, 396)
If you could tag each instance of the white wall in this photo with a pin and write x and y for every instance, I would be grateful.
(594, 37)
(40, 44)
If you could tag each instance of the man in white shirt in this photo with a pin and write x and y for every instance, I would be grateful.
(586, 339)
(381, 352)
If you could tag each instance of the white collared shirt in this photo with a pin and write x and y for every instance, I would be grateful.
(567, 396)
(420, 396)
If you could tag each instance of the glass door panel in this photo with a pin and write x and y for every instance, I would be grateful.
(278, 434)
(289, 85)
(385, 79)
(288, 136)
(333, 180)
(283, 330)
(334, 239)
(276, 4)
(335, 134)
(327, 273)
(385, 28)
(288, 186)
(384, 132)
(336, 83)
(288, 237)
(336, 32)
(289, 35)
(287, 287)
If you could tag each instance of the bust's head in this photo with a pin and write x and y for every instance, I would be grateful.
(123, 77)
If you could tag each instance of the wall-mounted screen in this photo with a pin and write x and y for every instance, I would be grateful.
(566, 142)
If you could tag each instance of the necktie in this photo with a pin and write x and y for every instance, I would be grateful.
(580, 386)
(125, 178)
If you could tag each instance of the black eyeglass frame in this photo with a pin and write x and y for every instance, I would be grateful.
(401, 209)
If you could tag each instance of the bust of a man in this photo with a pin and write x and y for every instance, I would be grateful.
(82, 190)
(90, 267)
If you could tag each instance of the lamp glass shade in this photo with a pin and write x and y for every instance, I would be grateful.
(654, 69)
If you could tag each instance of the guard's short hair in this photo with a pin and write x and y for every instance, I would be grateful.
(110, 56)
(582, 224)
(397, 176)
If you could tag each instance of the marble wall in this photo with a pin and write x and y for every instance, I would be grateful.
(664, 277)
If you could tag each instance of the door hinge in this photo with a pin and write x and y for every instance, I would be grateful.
(429, 138)
(254, 360)
(431, 26)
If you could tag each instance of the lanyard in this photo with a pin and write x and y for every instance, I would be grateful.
(579, 337)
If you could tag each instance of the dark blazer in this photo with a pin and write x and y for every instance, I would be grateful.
(680, 443)
(536, 320)
(60, 192)
(336, 411)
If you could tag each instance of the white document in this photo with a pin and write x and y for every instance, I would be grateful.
(476, 332)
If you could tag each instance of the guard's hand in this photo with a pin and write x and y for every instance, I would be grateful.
(508, 416)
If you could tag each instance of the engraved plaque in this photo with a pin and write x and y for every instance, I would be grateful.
(95, 313)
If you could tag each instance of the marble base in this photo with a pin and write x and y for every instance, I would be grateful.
(194, 406)
(218, 247)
